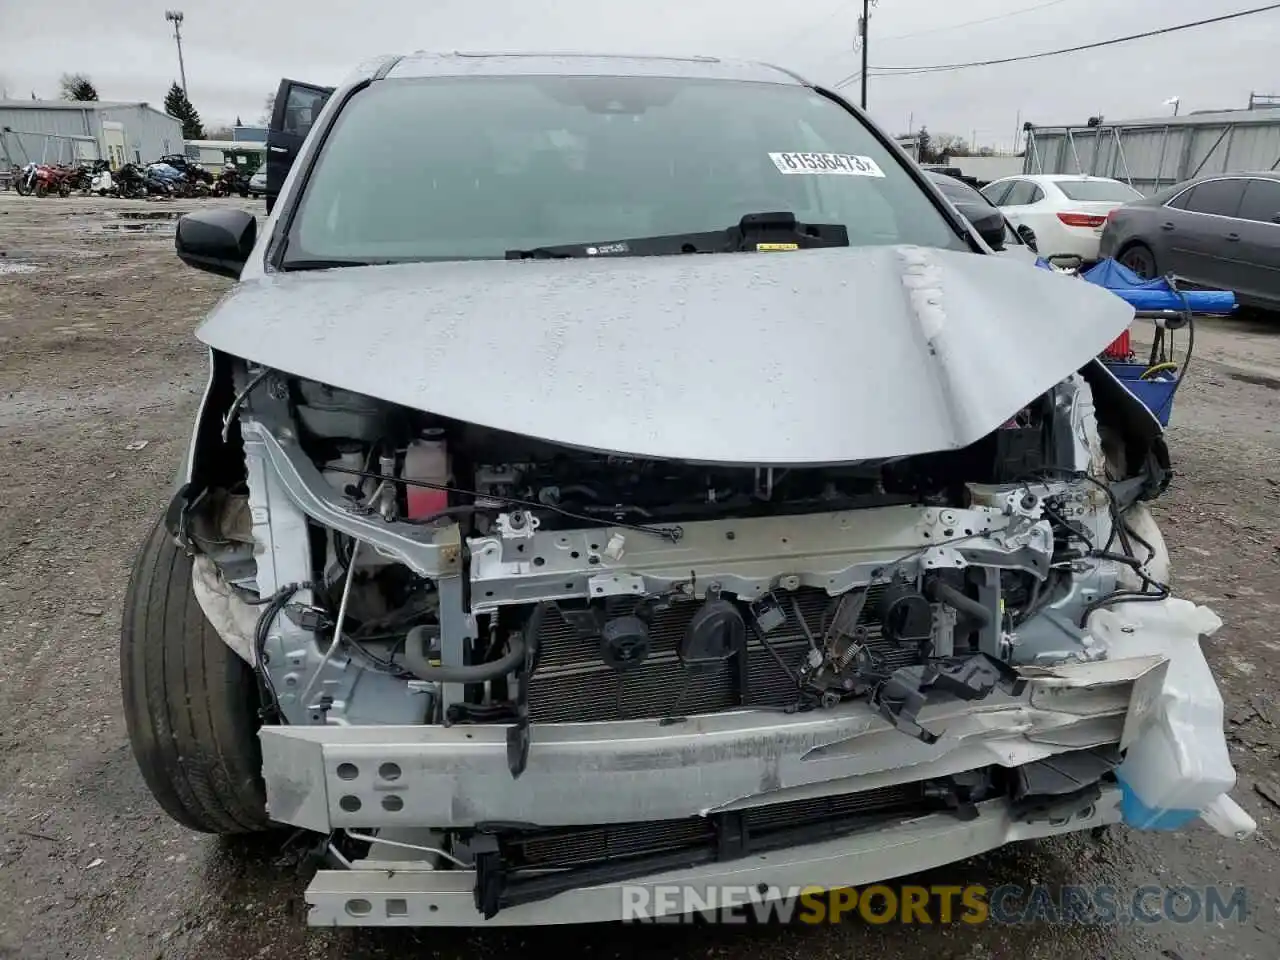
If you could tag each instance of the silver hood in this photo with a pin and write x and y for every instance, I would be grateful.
(824, 356)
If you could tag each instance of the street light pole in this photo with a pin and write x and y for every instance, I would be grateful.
(863, 33)
(175, 17)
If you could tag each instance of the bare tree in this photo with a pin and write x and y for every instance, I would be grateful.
(268, 108)
(76, 86)
(950, 145)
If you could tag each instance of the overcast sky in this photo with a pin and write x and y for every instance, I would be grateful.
(236, 52)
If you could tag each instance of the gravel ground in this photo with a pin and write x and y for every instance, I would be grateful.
(99, 376)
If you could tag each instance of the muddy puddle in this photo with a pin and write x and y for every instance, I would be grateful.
(143, 221)
(148, 214)
(145, 227)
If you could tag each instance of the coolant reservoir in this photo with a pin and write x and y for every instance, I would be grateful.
(426, 459)
(1177, 766)
(350, 457)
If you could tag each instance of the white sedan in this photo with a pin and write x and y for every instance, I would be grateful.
(1062, 213)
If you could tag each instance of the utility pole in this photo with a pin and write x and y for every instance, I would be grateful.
(175, 17)
(863, 35)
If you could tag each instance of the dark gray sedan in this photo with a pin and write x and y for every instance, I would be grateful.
(1221, 232)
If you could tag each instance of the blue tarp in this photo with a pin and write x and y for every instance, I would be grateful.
(1153, 295)
(1157, 294)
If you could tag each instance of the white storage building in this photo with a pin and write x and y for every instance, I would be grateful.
(60, 131)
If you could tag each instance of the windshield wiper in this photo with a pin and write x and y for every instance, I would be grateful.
(290, 265)
(755, 231)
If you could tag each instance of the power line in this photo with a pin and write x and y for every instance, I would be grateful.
(845, 81)
(840, 7)
(972, 23)
(857, 74)
(938, 68)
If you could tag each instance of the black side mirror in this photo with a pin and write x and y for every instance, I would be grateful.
(217, 241)
(991, 230)
(1028, 238)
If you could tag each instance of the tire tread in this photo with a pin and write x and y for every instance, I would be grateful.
(189, 700)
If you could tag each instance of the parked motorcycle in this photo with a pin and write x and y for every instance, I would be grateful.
(173, 179)
(82, 176)
(103, 184)
(131, 183)
(42, 179)
(230, 181)
(54, 179)
(24, 180)
(194, 170)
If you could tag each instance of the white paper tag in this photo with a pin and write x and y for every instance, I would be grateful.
(828, 164)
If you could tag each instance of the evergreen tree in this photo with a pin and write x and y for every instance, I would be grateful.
(924, 146)
(76, 86)
(179, 107)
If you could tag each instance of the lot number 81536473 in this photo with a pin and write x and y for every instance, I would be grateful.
(831, 164)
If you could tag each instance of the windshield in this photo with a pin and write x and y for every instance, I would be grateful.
(1084, 190)
(464, 168)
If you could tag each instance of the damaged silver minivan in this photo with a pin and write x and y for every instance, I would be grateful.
(623, 471)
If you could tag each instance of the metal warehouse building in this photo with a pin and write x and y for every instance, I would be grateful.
(1153, 154)
(59, 131)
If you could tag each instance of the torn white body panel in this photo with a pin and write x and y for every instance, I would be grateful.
(1178, 766)
(229, 615)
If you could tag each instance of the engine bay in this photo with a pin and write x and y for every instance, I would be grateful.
(585, 585)
(470, 469)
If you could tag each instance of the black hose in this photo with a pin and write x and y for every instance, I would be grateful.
(945, 593)
(420, 665)
(461, 510)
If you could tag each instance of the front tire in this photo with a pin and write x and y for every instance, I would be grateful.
(190, 703)
(1139, 258)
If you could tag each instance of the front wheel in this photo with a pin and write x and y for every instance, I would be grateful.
(190, 703)
(1140, 260)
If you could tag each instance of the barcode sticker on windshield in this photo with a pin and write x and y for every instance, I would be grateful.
(830, 164)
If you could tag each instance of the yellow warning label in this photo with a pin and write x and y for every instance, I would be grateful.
(777, 246)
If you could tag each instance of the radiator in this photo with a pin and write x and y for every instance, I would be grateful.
(572, 683)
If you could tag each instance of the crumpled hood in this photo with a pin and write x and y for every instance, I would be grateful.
(792, 358)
